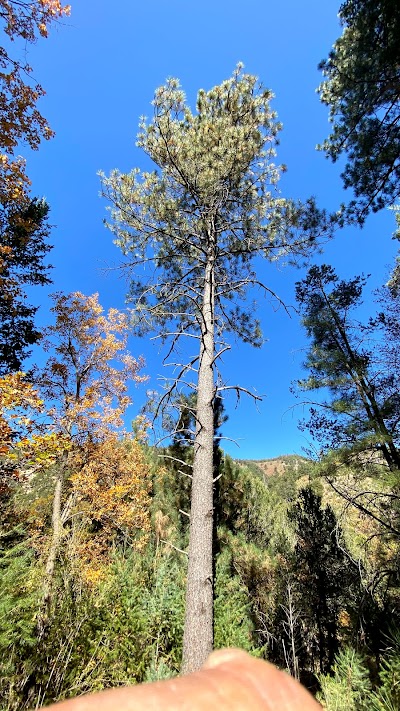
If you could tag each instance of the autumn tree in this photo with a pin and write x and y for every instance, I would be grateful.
(110, 485)
(190, 231)
(27, 440)
(22, 220)
(361, 413)
(20, 119)
(362, 89)
(20, 405)
(27, 444)
(85, 382)
(23, 247)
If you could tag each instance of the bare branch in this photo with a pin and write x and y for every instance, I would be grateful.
(175, 333)
(175, 459)
(228, 439)
(168, 543)
(219, 354)
(239, 390)
(174, 385)
(185, 473)
(353, 501)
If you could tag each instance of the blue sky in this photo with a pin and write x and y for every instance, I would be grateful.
(100, 69)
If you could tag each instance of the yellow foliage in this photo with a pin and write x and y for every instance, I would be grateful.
(93, 576)
(16, 391)
(17, 397)
(110, 485)
(106, 501)
(344, 619)
(23, 437)
(91, 395)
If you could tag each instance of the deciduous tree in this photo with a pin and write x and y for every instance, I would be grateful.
(20, 119)
(22, 220)
(86, 390)
(27, 443)
(110, 485)
(190, 230)
(18, 399)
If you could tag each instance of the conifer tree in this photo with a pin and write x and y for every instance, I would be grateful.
(362, 90)
(324, 578)
(190, 230)
(23, 247)
(361, 412)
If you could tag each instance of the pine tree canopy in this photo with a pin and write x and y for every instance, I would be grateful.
(214, 192)
(362, 90)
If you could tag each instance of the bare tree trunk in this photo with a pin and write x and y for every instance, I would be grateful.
(198, 630)
(57, 526)
(290, 625)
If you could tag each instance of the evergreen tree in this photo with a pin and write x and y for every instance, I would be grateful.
(348, 687)
(199, 219)
(23, 247)
(362, 90)
(358, 421)
(363, 409)
(323, 579)
(179, 455)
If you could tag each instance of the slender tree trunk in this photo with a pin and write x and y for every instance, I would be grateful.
(366, 393)
(291, 625)
(374, 412)
(198, 630)
(57, 528)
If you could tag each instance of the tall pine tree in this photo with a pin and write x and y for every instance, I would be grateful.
(190, 230)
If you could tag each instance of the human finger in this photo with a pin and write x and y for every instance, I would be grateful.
(230, 680)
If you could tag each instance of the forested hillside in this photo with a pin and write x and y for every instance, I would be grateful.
(301, 578)
(132, 542)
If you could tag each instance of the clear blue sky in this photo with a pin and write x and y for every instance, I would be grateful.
(100, 69)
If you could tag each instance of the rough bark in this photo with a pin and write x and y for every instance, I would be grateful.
(198, 630)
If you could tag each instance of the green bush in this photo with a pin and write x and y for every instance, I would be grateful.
(349, 688)
(233, 626)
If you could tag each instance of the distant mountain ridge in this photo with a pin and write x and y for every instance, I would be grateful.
(276, 465)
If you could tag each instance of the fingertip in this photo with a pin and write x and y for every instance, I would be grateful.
(221, 656)
(265, 683)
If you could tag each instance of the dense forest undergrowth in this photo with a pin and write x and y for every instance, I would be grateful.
(301, 579)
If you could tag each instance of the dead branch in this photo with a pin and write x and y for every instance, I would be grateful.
(219, 354)
(353, 501)
(239, 390)
(167, 543)
(168, 456)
